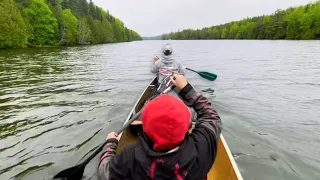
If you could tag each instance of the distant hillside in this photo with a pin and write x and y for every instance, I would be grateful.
(58, 22)
(301, 22)
(153, 38)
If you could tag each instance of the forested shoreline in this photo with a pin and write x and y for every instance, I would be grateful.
(37, 23)
(294, 23)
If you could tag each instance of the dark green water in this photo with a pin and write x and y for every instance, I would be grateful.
(58, 104)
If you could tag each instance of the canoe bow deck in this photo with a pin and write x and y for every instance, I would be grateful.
(224, 167)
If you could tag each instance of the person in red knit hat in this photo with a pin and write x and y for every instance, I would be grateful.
(166, 150)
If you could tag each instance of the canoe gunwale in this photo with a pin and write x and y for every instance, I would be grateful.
(233, 162)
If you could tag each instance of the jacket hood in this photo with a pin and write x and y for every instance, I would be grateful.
(148, 145)
(166, 120)
(167, 59)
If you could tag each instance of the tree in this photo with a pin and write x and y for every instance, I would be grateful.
(92, 9)
(306, 22)
(315, 11)
(216, 33)
(224, 33)
(83, 7)
(106, 25)
(70, 27)
(302, 22)
(58, 22)
(65, 4)
(24, 3)
(267, 28)
(13, 30)
(108, 31)
(84, 32)
(56, 8)
(278, 25)
(292, 18)
(233, 30)
(42, 23)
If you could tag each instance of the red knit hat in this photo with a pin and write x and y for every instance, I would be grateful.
(166, 120)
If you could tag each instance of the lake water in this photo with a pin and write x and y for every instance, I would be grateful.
(58, 104)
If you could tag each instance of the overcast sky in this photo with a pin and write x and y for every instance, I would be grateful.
(155, 17)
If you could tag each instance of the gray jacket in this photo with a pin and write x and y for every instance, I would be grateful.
(165, 66)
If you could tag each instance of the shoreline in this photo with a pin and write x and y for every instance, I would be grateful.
(59, 46)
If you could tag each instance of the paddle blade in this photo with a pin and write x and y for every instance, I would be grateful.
(207, 75)
(73, 173)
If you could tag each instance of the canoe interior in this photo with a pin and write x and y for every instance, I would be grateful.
(224, 167)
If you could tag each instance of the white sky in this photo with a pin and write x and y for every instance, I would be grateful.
(155, 17)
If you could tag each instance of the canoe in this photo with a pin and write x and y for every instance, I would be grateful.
(224, 167)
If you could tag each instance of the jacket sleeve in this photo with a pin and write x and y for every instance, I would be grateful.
(111, 165)
(181, 69)
(207, 116)
(155, 67)
(207, 128)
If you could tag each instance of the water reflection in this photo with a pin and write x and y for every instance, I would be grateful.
(39, 88)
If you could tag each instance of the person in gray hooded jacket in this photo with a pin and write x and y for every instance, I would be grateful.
(167, 64)
(164, 67)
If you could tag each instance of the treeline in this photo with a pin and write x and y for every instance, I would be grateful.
(58, 22)
(301, 22)
(153, 38)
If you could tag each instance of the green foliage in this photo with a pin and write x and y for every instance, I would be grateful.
(233, 30)
(42, 23)
(224, 34)
(63, 22)
(13, 30)
(96, 31)
(84, 32)
(292, 18)
(108, 33)
(315, 11)
(119, 30)
(58, 14)
(24, 3)
(301, 22)
(70, 27)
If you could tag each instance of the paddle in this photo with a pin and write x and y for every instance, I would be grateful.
(207, 75)
(76, 172)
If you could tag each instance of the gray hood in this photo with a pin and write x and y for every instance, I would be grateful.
(167, 59)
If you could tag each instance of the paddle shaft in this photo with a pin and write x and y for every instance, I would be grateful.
(103, 144)
(206, 75)
(191, 70)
